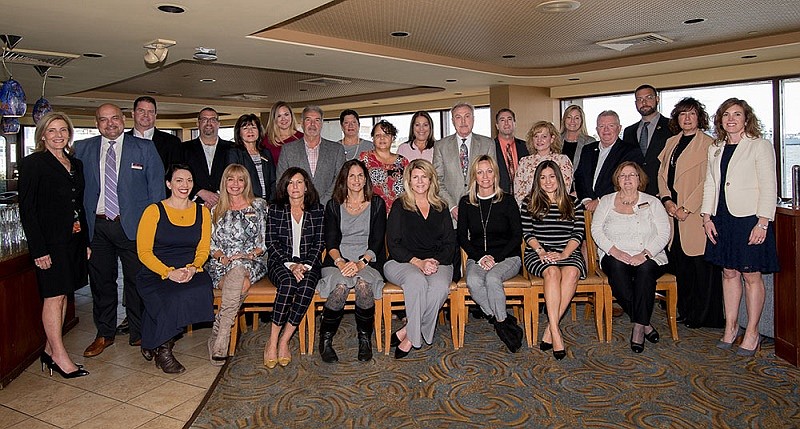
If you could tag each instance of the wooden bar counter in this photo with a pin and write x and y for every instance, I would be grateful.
(787, 284)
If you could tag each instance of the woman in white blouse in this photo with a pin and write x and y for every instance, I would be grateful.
(631, 230)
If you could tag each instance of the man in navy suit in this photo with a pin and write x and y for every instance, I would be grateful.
(601, 158)
(509, 149)
(649, 135)
(144, 126)
(124, 174)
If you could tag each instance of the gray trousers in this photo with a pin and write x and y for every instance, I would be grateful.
(486, 287)
(424, 296)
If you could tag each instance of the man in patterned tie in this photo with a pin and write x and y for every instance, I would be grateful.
(509, 149)
(124, 174)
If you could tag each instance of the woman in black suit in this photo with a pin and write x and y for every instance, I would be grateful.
(294, 245)
(51, 210)
(249, 150)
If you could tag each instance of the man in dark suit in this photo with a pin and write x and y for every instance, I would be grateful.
(600, 159)
(649, 135)
(509, 149)
(207, 155)
(319, 157)
(144, 126)
(124, 174)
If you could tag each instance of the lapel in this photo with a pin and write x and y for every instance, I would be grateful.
(93, 158)
(124, 167)
(695, 153)
(302, 157)
(55, 165)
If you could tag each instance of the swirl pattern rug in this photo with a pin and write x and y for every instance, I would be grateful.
(674, 384)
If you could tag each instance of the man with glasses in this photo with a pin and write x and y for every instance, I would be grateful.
(207, 155)
(593, 178)
(649, 135)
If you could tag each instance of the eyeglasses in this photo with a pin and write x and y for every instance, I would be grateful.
(627, 176)
(646, 97)
(205, 119)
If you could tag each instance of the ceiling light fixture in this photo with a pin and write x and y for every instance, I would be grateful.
(694, 21)
(749, 57)
(208, 80)
(451, 80)
(205, 54)
(171, 8)
(509, 56)
(93, 55)
(574, 78)
(558, 6)
(42, 105)
(157, 51)
(12, 96)
(399, 34)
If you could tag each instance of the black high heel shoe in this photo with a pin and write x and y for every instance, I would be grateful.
(653, 336)
(395, 340)
(46, 360)
(636, 347)
(544, 346)
(400, 353)
(80, 372)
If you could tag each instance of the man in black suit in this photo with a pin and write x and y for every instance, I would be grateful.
(509, 149)
(649, 135)
(601, 158)
(144, 126)
(207, 155)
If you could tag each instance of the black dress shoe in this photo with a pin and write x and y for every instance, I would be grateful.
(653, 336)
(543, 346)
(681, 318)
(147, 354)
(477, 313)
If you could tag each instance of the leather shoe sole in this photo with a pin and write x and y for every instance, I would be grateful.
(97, 347)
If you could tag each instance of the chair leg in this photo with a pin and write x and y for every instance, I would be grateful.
(378, 324)
(598, 313)
(528, 304)
(455, 309)
(672, 311)
(387, 320)
(235, 334)
(607, 301)
(574, 310)
(311, 323)
(302, 328)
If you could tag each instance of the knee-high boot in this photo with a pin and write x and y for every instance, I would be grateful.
(228, 309)
(327, 329)
(365, 322)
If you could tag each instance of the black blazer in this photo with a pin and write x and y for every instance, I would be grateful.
(651, 164)
(48, 200)
(505, 179)
(239, 155)
(377, 231)
(195, 157)
(168, 147)
(584, 175)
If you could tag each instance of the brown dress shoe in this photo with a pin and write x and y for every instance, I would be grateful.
(97, 347)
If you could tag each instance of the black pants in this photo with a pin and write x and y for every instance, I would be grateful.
(634, 287)
(699, 287)
(108, 244)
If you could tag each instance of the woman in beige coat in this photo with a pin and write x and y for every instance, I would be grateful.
(680, 183)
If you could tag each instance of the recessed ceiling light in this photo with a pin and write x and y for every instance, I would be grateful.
(748, 57)
(558, 6)
(694, 21)
(93, 55)
(55, 76)
(501, 81)
(151, 92)
(208, 80)
(303, 90)
(399, 34)
(509, 56)
(574, 78)
(310, 54)
(375, 102)
(451, 80)
(458, 93)
(171, 8)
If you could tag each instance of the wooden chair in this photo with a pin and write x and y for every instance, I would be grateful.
(666, 284)
(316, 306)
(517, 287)
(393, 299)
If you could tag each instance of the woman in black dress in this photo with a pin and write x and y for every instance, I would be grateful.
(173, 242)
(51, 211)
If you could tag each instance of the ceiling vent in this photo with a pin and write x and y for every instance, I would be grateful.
(38, 58)
(246, 97)
(325, 81)
(623, 43)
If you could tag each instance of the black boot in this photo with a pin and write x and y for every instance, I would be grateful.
(166, 361)
(365, 321)
(327, 329)
(507, 331)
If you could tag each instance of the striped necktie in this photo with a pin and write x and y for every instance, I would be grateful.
(464, 157)
(110, 187)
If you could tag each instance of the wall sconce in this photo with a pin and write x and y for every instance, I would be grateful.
(157, 51)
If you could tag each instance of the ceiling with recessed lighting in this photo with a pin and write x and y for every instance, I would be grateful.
(265, 49)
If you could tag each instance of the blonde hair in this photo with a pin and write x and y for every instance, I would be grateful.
(472, 191)
(224, 203)
(407, 197)
(557, 144)
(272, 125)
(45, 122)
(582, 131)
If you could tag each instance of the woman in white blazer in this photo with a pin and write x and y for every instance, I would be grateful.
(739, 199)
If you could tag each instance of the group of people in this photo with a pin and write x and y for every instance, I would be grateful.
(185, 218)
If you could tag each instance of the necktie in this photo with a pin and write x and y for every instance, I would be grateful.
(110, 187)
(464, 157)
(510, 166)
(643, 138)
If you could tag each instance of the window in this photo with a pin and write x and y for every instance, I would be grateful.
(790, 132)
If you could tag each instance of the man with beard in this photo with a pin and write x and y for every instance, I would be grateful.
(650, 134)
(509, 149)
(208, 157)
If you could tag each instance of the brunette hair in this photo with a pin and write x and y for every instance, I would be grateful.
(687, 105)
(752, 126)
(311, 197)
(428, 143)
(340, 185)
(539, 202)
(243, 120)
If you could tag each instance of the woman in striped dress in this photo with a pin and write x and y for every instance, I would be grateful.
(553, 229)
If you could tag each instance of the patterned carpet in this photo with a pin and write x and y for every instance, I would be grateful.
(684, 384)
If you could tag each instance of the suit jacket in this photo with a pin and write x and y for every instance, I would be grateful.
(47, 202)
(168, 147)
(279, 236)
(584, 175)
(583, 140)
(195, 157)
(140, 180)
(452, 184)
(502, 169)
(690, 174)
(751, 185)
(651, 164)
(239, 155)
(331, 159)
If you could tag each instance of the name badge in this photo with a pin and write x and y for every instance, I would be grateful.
(643, 205)
(136, 166)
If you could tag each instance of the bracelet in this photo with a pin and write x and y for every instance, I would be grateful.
(684, 210)
(339, 259)
(539, 250)
(764, 227)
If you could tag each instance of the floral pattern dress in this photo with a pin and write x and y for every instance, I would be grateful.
(240, 231)
(523, 179)
(387, 179)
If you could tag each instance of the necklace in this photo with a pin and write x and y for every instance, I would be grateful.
(355, 152)
(628, 203)
(485, 222)
(354, 207)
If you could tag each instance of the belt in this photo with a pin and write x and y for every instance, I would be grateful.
(106, 218)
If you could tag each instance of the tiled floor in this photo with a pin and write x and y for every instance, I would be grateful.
(122, 391)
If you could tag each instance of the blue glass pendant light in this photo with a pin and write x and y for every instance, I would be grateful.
(42, 106)
(12, 97)
(9, 125)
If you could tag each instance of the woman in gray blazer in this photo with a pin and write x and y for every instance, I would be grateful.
(574, 134)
